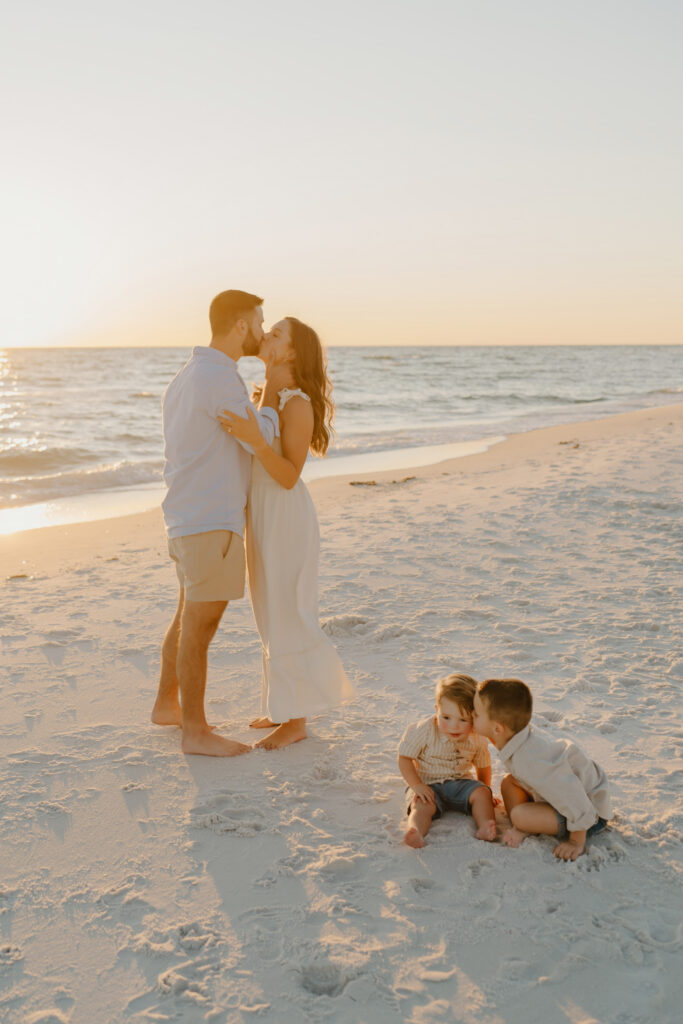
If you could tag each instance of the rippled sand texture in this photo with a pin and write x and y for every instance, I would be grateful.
(140, 885)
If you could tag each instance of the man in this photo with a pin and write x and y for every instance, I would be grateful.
(207, 473)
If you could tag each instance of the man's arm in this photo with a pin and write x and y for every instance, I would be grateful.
(234, 398)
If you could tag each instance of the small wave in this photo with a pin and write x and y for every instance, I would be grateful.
(513, 398)
(37, 460)
(666, 391)
(26, 490)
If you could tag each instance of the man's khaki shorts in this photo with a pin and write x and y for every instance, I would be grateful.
(210, 566)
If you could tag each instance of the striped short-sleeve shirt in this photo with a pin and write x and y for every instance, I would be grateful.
(439, 757)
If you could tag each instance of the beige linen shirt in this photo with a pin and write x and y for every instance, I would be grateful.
(561, 774)
(439, 757)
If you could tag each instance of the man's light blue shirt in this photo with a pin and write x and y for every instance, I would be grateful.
(207, 471)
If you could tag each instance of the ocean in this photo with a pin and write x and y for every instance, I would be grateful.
(79, 424)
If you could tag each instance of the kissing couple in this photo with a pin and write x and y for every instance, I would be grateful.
(232, 467)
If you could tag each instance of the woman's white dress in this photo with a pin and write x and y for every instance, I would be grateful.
(302, 673)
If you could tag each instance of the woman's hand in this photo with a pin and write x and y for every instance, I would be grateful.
(246, 430)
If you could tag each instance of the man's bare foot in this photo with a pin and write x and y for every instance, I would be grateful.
(487, 831)
(262, 723)
(285, 734)
(513, 837)
(167, 713)
(414, 839)
(210, 744)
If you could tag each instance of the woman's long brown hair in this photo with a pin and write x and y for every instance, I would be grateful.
(309, 368)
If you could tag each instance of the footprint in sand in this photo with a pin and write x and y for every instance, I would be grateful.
(54, 652)
(477, 866)
(324, 979)
(203, 953)
(421, 885)
(344, 625)
(10, 954)
(124, 901)
(266, 929)
(232, 813)
(137, 659)
(550, 716)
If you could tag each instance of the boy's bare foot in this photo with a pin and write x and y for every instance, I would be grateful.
(262, 723)
(210, 744)
(414, 839)
(487, 831)
(285, 734)
(167, 713)
(569, 850)
(513, 837)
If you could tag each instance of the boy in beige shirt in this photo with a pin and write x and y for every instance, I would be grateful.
(438, 756)
(553, 789)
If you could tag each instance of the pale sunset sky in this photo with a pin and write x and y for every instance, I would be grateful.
(393, 172)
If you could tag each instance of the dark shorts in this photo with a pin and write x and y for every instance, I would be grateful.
(451, 795)
(563, 831)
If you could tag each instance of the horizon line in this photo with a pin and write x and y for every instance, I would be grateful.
(485, 344)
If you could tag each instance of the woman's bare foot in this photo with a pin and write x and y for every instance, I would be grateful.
(167, 713)
(513, 837)
(210, 744)
(262, 723)
(487, 831)
(414, 839)
(285, 734)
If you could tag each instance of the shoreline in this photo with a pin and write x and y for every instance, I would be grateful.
(16, 547)
(95, 506)
(115, 503)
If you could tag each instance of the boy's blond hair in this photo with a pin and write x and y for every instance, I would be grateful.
(507, 701)
(460, 689)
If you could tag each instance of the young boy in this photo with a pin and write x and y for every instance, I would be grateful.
(554, 789)
(437, 758)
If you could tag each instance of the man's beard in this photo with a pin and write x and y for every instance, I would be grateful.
(251, 344)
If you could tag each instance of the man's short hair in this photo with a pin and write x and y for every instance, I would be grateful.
(228, 307)
(460, 689)
(507, 701)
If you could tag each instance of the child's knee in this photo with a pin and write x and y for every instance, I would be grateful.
(517, 815)
(417, 804)
(479, 795)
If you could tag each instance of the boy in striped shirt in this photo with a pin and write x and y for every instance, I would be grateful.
(439, 757)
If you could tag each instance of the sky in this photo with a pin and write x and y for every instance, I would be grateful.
(390, 171)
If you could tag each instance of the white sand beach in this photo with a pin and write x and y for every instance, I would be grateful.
(142, 885)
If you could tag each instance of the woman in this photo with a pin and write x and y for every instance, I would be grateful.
(302, 673)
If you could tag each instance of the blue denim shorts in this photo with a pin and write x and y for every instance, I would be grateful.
(452, 795)
(563, 831)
